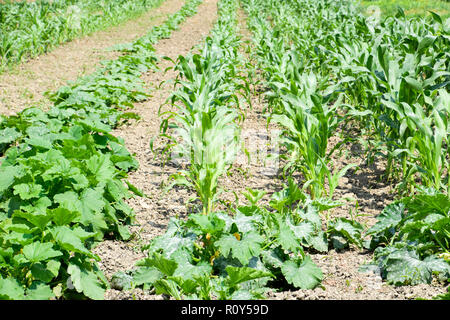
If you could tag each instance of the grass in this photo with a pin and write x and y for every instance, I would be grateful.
(411, 7)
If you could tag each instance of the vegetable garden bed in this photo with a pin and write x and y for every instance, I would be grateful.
(345, 195)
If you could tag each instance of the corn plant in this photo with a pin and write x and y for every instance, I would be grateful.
(299, 98)
(380, 68)
(209, 140)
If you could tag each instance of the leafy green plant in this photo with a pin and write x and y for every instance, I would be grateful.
(387, 80)
(411, 239)
(308, 125)
(203, 129)
(64, 186)
(218, 256)
(391, 77)
(32, 28)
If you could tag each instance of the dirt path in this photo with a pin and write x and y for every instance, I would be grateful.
(25, 85)
(153, 213)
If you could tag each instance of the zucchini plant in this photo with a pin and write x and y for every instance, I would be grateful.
(64, 184)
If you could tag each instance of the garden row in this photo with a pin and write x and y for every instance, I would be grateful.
(28, 29)
(330, 71)
(63, 185)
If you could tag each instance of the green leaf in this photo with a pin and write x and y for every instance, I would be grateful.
(187, 270)
(388, 219)
(53, 266)
(90, 205)
(173, 240)
(435, 16)
(304, 231)
(405, 267)
(146, 275)
(319, 242)
(244, 223)
(428, 203)
(8, 174)
(286, 237)
(349, 229)
(101, 166)
(241, 274)
(62, 216)
(9, 135)
(27, 191)
(305, 275)
(37, 251)
(124, 232)
(82, 233)
(39, 291)
(38, 207)
(169, 287)
(37, 219)
(69, 240)
(311, 214)
(19, 237)
(426, 42)
(274, 257)
(79, 181)
(324, 204)
(135, 190)
(40, 272)
(207, 223)
(41, 142)
(188, 286)
(164, 265)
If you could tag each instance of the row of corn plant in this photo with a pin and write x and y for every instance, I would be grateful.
(301, 101)
(390, 81)
(384, 75)
(63, 186)
(300, 98)
(30, 29)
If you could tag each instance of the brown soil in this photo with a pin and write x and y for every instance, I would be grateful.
(26, 84)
